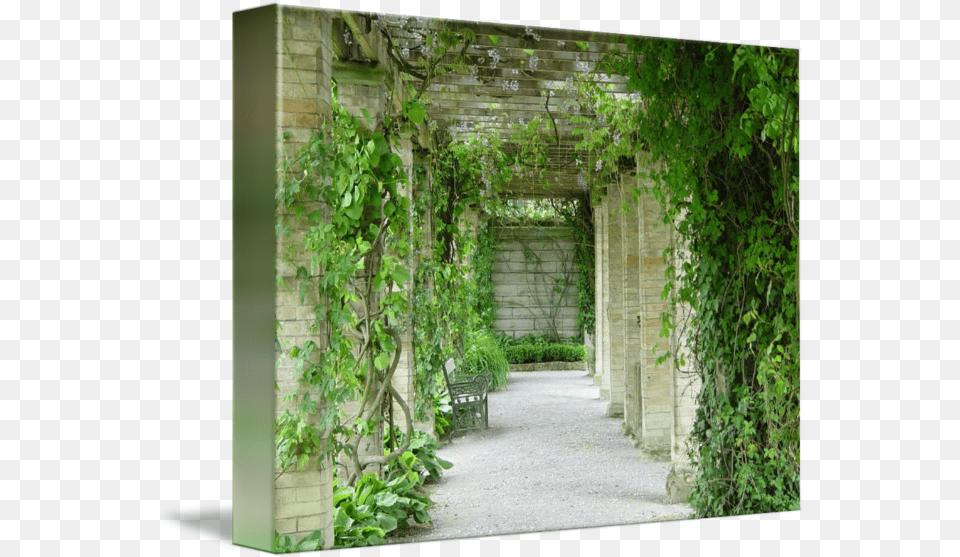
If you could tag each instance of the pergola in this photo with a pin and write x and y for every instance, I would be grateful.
(513, 74)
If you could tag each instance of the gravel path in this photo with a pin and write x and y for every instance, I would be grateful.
(551, 460)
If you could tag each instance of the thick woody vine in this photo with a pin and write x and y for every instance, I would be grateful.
(344, 185)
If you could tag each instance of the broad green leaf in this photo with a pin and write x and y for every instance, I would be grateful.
(400, 275)
(381, 361)
(415, 112)
(387, 522)
(494, 39)
(386, 498)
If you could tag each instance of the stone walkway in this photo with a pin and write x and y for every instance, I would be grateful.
(551, 460)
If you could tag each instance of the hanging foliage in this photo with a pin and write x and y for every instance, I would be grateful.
(722, 122)
(450, 303)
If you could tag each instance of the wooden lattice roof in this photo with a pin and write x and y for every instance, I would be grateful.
(513, 74)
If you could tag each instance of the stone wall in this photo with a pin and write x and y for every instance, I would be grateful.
(535, 281)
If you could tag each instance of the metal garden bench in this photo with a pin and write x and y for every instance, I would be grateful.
(468, 398)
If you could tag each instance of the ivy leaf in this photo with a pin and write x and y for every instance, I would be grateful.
(400, 275)
(494, 39)
(355, 211)
(415, 112)
(381, 361)
(380, 144)
(528, 51)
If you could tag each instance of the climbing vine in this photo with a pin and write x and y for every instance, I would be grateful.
(450, 303)
(722, 122)
(343, 185)
(577, 214)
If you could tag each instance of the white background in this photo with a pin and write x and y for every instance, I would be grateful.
(115, 276)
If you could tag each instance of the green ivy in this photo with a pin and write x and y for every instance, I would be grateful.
(343, 186)
(451, 304)
(721, 121)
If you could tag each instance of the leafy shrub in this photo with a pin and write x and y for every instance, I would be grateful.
(424, 448)
(442, 415)
(482, 354)
(285, 544)
(536, 340)
(366, 513)
(532, 353)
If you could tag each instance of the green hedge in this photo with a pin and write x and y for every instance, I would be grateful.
(531, 353)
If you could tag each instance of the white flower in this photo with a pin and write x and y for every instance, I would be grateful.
(581, 181)
(599, 165)
(494, 57)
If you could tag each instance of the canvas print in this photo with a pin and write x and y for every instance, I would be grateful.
(493, 279)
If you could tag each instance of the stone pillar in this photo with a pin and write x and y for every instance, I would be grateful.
(632, 403)
(303, 499)
(684, 388)
(604, 295)
(615, 266)
(654, 379)
(598, 353)
(405, 374)
(425, 252)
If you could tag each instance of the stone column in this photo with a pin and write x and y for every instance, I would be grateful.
(684, 388)
(605, 300)
(633, 407)
(405, 374)
(303, 499)
(599, 287)
(615, 267)
(654, 379)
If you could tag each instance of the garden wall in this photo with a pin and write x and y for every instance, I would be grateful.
(535, 281)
